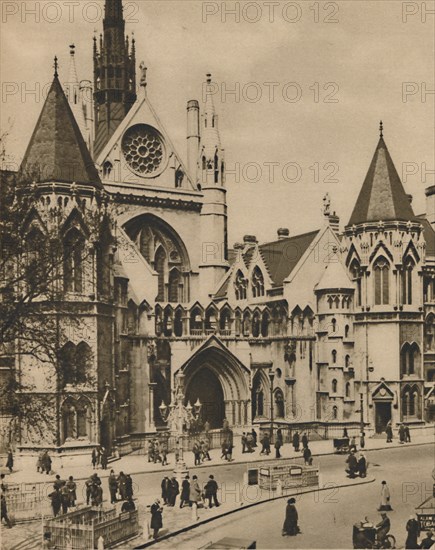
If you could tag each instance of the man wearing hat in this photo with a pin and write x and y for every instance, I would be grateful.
(290, 526)
(413, 530)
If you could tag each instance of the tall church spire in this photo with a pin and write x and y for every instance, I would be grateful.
(114, 75)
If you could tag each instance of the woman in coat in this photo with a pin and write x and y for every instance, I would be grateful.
(296, 441)
(156, 518)
(290, 526)
(185, 492)
(385, 498)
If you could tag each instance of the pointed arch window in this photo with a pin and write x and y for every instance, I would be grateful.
(174, 285)
(407, 281)
(381, 271)
(334, 385)
(159, 266)
(240, 285)
(335, 412)
(73, 257)
(257, 283)
(256, 325)
(347, 389)
(355, 270)
(265, 319)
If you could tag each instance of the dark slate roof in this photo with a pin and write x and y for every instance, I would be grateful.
(57, 151)
(282, 256)
(382, 196)
(429, 235)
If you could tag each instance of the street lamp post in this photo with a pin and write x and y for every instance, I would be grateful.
(361, 411)
(271, 377)
(178, 415)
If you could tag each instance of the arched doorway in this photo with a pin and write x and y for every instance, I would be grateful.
(220, 381)
(206, 387)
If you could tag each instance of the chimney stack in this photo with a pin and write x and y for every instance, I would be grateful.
(283, 233)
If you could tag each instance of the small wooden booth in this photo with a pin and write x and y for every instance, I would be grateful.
(282, 474)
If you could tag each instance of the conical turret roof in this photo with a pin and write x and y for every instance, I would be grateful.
(57, 151)
(382, 196)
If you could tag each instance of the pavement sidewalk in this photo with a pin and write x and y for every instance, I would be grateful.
(134, 463)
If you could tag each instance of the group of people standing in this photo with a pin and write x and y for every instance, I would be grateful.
(63, 496)
(158, 451)
(43, 464)
(201, 450)
(356, 465)
(404, 433)
(120, 487)
(100, 457)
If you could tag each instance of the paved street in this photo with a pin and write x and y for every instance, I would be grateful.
(339, 507)
(326, 519)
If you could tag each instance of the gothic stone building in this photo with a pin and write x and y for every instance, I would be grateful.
(343, 321)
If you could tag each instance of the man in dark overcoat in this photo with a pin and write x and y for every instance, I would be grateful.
(290, 526)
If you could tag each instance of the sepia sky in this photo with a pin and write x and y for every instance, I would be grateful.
(313, 79)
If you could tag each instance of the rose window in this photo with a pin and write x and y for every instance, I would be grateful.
(143, 149)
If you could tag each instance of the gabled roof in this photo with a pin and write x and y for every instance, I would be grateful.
(57, 151)
(382, 196)
(334, 277)
(282, 256)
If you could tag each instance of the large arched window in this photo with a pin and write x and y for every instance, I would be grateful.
(409, 358)
(76, 418)
(381, 272)
(73, 252)
(407, 281)
(240, 285)
(84, 359)
(257, 283)
(411, 402)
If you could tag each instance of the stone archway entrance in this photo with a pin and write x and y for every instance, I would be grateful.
(206, 387)
(218, 379)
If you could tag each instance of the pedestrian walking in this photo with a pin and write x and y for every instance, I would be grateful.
(413, 530)
(174, 490)
(362, 465)
(39, 462)
(64, 499)
(307, 456)
(185, 492)
(362, 440)
(210, 490)
(194, 497)
(113, 487)
(104, 457)
(296, 441)
(196, 449)
(290, 526)
(353, 444)
(224, 449)
(122, 485)
(88, 486)
(55, 501)
(254, 435)
(278, 444)
(265, 444)
(206, 449)
(10, 461)
(164, 449)
(305, 440)
(156, 518)
(352, 463)
(72, 491)
(389, 432)
(46, 463)
(94, 458)
(151, 451)
(244, 443)
(279, 436)
(165, 486)
(385, 498)
(128, 486)
(407, 435)
(401, 433)
(4, 511)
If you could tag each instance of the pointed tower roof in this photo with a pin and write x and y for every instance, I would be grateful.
(210, 130)
(57, 150)
(382, 196)
(72, 91)
(334, 277)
